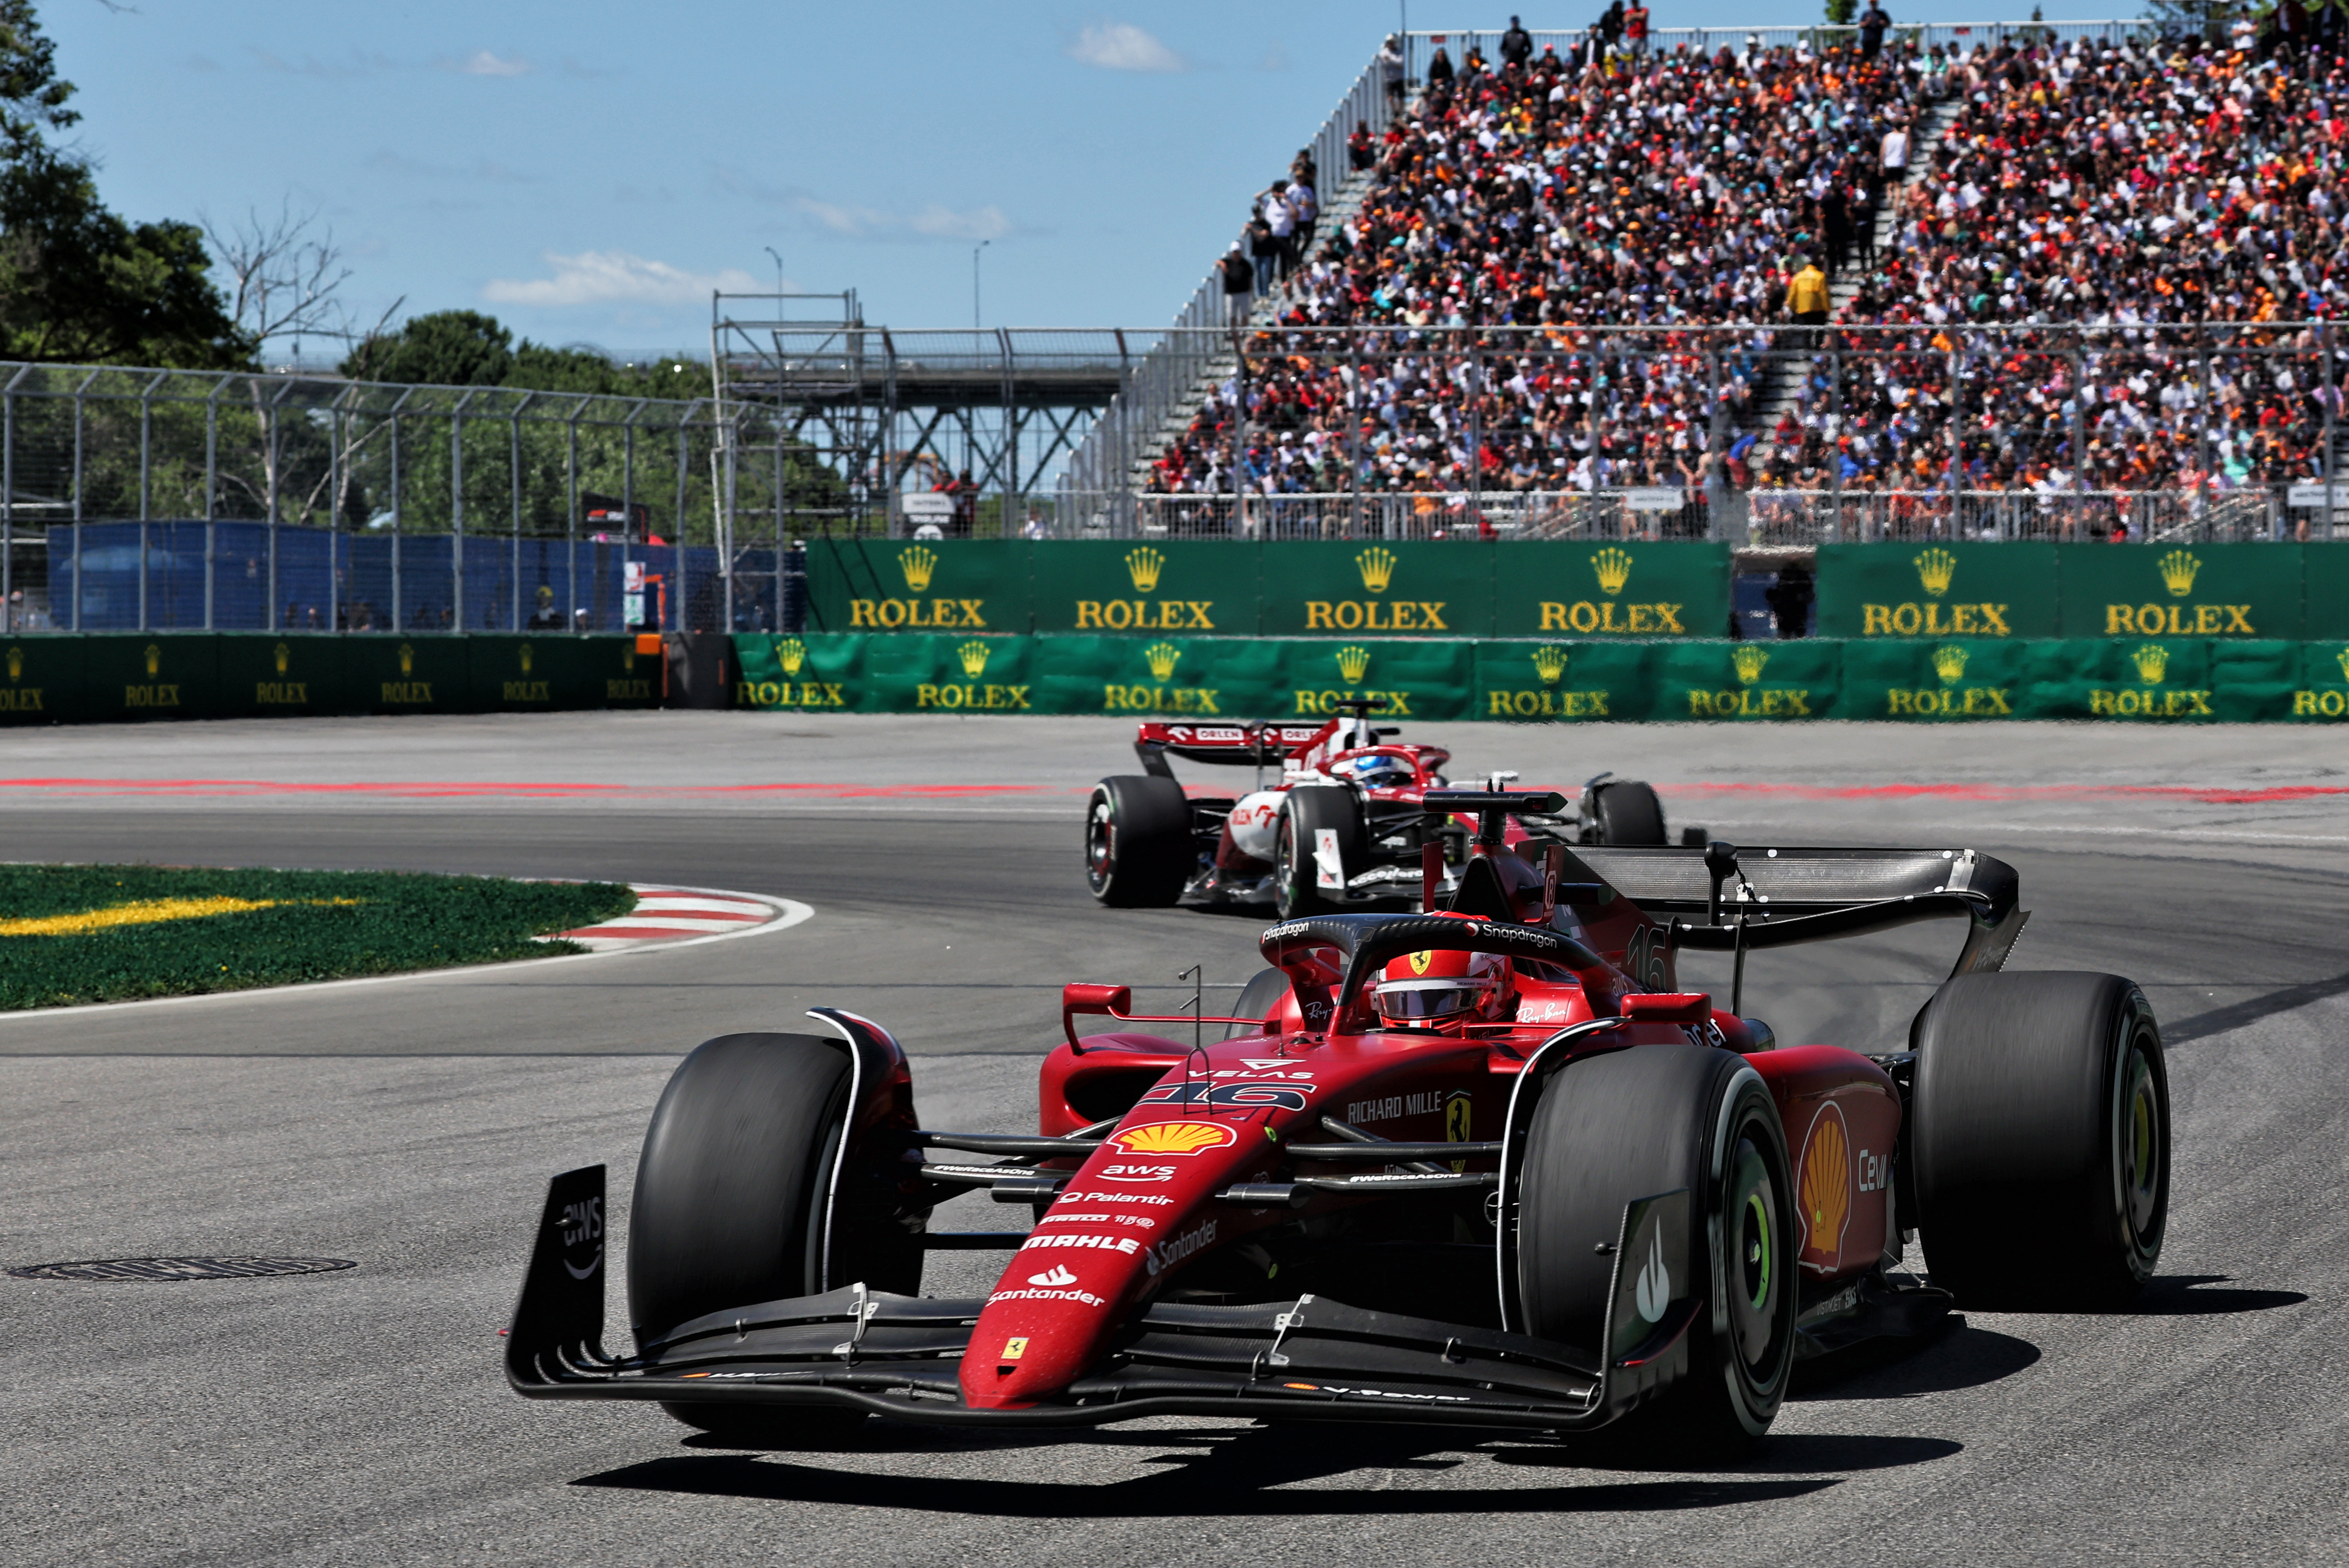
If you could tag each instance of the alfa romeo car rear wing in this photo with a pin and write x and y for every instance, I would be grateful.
(1261, 745)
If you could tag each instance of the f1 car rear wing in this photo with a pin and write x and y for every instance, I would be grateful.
(1260, 744)
(1722, 897)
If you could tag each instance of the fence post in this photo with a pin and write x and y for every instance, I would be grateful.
(8, 508)
(2332, 397)
(397, 573)
(270, 454)
(514, 470)
(1239, 431)
(2079, 440)
(725, 555)
(1956, 433)
(1835, 438)
(1354, 444)
(2202, 426)
(212, 496)
(1475, 432)
(456, 515)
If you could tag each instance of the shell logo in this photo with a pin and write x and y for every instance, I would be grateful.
(1824, 1187)
(1172, 1138)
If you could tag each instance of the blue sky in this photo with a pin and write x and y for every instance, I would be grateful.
(587, 171)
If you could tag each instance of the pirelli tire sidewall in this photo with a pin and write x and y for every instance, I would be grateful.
(1139, 849)
(1305, 813)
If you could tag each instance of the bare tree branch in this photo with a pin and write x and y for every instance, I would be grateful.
(284, 277)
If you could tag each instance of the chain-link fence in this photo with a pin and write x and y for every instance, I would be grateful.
(155, 499)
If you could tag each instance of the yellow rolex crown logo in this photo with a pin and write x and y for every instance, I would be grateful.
(1749, 660)
(407, 660)
(285, 657)
(974, 658)
(1353, 663)
(1163, 656)
(791, 653)
(2177, 569)
(17, 662)
(1934, 569)
(525, 659)
(1143, 566)
(154, 660)
(1614, 568)
(1550, 664)
(2151, 661)
(1950, 664)
(917, 565)
(1377, 568)
(627, 659)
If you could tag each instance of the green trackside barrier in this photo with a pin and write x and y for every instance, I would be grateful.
(1938, 590)
(1409, 588)
(2321, 693)
(2186, 590)
(154, 676)
(1556, 588)
(1143, 589)
(1174, 678)
(43, 680)
(506, 673)
(2324, 591)
(905, 585)
(262, 676)
(1564, 681)
(417, 674)
(1959, 680)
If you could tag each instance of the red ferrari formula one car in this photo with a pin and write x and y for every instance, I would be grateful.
(1340, 825)
(1482, 1165)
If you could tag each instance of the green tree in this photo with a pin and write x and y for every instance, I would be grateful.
(77, 281)
(443, 349)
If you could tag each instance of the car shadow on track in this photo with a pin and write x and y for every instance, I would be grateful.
(1249, 1472)
(1956, 1356)
(2180, 1295)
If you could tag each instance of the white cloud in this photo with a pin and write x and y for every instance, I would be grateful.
(485, 64)
(605, 277)
(1122, 47)
(978, 223)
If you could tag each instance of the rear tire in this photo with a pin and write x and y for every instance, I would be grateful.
(729, 1201)
(1296, 884)
(1139, 848)
(1632, 1124)
(1628, 812)
(2040, 1149)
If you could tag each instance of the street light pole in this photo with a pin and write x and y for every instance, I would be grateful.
(778, 268)
(974, 282)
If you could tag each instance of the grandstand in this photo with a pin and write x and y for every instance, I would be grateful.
(1552, 295)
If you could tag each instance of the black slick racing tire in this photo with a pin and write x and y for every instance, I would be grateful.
(1139, 848)
(1628, 812)
(729, 1200)
(1258, 999)
(1632, 1124)
(1304, 813)
(2040, 1146)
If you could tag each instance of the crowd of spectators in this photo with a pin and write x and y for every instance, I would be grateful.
(2140, 190)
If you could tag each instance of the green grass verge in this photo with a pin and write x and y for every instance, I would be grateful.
(326, 925)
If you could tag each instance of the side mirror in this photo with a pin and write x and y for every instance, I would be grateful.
(1077, 997)
(1720, 865)
(1668, 1007)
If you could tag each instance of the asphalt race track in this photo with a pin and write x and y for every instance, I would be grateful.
(360, 1417)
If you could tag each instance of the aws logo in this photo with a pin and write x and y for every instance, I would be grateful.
(1608, 615)
(2151, 662)
(1545, 702)
(1749, 698)
(1937, 571)
(1118, 697)
(1353, 663)
(1950, 699)
(2178, 569)
(919, 565)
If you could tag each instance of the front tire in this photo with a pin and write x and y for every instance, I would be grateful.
(2040, 1149)
(1297, 890)
(729, 1201)
(1139, 852)
(1630, 1125)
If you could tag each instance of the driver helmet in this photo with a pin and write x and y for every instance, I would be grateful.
(1443, 986)
(1377, 770)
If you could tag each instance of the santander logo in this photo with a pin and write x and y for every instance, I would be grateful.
(1056, 1277)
